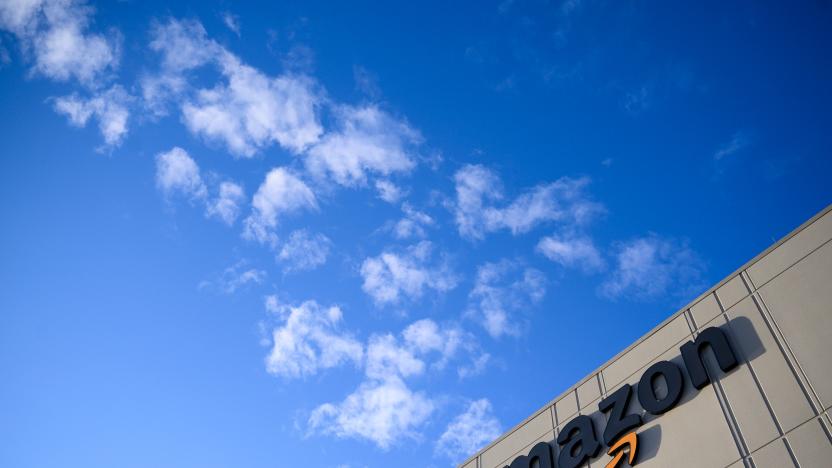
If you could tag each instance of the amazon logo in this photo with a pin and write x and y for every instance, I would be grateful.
(578, 441)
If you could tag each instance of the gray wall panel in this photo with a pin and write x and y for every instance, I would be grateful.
(800, 300)
(732, 292)
(644, 352)
(789, 252)
(705, 310)
(566, 407)
(747, 404)
(811, 446)
(773, 455)
(538, 428)
(589, 391)
(780, 386)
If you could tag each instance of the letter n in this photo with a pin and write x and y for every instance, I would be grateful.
(692, 351)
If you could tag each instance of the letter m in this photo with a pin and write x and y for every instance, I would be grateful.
(715, 339)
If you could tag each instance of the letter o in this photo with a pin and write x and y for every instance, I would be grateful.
(647, 392)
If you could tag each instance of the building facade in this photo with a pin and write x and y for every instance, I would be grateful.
(675, 398)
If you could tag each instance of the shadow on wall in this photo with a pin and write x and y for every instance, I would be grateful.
(746, 341)
(649, 441)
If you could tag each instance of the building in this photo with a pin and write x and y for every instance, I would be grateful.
(769, 407)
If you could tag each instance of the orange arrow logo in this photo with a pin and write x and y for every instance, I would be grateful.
(630, 440)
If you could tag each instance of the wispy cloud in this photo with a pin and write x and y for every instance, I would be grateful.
(247, 110)
(412, 224)
(177, 174)
(384, 409)
(55, 36)
(232, 22)
(572, 252)
(501, 290)
(388, 191)
(636, 101)
(653, 266)
(309, 340)
(55, 33)
(234, 278)
(226, 206)
(469, 431)
(282, 192)
(253, 111)
(478, 190)
(738, 141)
(393, 276)
(367, 140)
(304, 251)
(111, 108)
(728, 151)
(366, 82)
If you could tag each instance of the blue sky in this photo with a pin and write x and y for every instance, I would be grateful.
(347, 234)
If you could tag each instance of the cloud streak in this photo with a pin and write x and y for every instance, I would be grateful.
(478, 189)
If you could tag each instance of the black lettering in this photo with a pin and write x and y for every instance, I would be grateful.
(578, 442)
(542, 453)
(647, 391)
(714, 338)
(616, 406)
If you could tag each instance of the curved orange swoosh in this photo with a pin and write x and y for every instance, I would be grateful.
(630, 439)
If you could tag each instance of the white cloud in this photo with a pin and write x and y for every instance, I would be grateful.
(448, 342)
(247, 110)
(386, 358)
(637, 101)
(501, 289)
(226, 206)
(110, 109)
(235, 277)
(478, 188)
(280, 193)
(474, 185)
(251, 111)
(366, 82)
(183, 46)
(738, 141)
(652, 266)
(572, 252)
(412, 224)
(388, 191)
(469, 431)
(381, 411)
(54, 33)
(476, 367)
(309, 340)
(727, 153)
(391, 277)
(304, 251)
(426, 336)
(177, 172)
(367, 140)
(232, 22)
